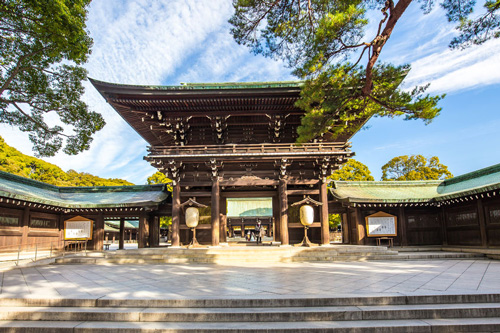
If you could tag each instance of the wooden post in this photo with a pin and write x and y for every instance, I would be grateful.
(345, 227)
(215, 209)
(283, 212)
(223, 220)
(99, 232)
(122, 233)
(176, 213)
(482, 223)
(360, 223)
(142, 240)
(25, 226)
(403, 235)
(444, 229)
(325, 227)
(276, 218)
(154, 231)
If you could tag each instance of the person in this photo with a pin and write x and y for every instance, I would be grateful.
(249, 236)
(259, 232)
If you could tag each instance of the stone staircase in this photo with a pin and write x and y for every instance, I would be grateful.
(261, 254)
(432, 313)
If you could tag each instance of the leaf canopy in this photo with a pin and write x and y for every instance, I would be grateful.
(42, 47)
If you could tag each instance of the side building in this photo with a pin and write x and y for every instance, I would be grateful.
(461, 211)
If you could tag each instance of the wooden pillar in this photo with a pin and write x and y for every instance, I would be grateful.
(276, 218)
(122, 233)
(223, 220)
(215, 209)
(142, 239)
(360, 225)
(283, 211)
(482, 223)
(176, 213)
(345, 227)
(444, 229)
(25, 222)
(154, 231)
(325, 227)
(403, 235)
(99, 232)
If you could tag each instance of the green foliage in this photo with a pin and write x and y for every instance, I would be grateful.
(159, 178)
(42, 47)
(415, 167)
(13, 161)
(165, 221)
(352, 171)
(334, 220)
(317, 37)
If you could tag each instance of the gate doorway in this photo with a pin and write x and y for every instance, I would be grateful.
(243, 217)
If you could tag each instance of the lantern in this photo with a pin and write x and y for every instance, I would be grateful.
(306, 215)
(192, 217)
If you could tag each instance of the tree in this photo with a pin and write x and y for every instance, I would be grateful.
(158, 178)
(15, 162)
(42, 47)
(318, 37)
(352, 171)
(415, 167)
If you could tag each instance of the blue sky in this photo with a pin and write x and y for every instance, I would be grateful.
(169, 42)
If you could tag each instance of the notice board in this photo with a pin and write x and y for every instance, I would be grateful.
(78, 228)
(381, 224)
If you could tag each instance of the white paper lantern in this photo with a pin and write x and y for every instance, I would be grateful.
(192, 217)
(306, 215)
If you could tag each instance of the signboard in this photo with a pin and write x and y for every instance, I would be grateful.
(381, 224)
(78, 228)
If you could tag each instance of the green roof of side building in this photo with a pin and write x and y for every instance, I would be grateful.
(476, 182)
(20, 188)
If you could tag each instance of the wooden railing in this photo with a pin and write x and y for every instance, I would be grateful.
(250, 149)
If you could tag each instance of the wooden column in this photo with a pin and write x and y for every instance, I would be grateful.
(154, 231)
(360, 225)
(345, 228)
(283, 211)
(444, 228)
(276, 218)
(223, 220)
(403, 235)
(99, 232)
(176, 213)
(122, 233)
(215, 209)
(325, 227)
(482, 223)
(142, 239)
(25, 222)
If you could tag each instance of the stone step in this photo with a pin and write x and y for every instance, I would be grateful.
(390, 326)
(261, 314)
(300, 302)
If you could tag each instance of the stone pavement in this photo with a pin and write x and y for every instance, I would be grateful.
(206, 281)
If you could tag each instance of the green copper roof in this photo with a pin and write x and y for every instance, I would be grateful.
(20, 188)
(475, 182)
(206, 86)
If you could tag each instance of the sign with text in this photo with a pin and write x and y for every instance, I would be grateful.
(381, 224)
(78, 228)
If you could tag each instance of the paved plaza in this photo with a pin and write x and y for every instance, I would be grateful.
(198, 281)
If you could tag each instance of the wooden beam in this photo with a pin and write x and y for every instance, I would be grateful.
(301, 192)
(250, 182)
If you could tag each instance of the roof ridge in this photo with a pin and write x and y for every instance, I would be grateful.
(28, 181)
(473, 174)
